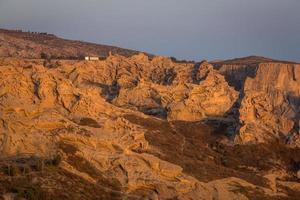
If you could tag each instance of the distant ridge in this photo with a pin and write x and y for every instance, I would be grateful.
(18, 43)
(248, 60)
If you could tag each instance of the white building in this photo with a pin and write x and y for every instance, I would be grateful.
(91, 58)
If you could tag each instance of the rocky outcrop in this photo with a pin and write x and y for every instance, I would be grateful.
(270, 107)
(159, 86)
(213, 97)
(269, 98)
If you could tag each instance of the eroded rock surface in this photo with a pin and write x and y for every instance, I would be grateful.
(90, 115)
(270, 107)
(145, 128)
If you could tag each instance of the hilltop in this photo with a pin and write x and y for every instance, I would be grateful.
(16, 43)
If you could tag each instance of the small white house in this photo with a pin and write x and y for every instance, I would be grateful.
(91, 58)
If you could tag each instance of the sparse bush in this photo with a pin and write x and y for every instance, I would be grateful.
(44, 56)
(29, 193)
(14, 170)
(56, 160)
(173, 59)
(26, 169)
(51, 64)
(40, 165)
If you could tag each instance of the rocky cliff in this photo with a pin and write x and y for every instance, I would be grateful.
(270, 107)
(269, 99)
(141, 127)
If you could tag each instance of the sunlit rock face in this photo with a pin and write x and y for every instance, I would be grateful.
(270, 107)
(211, 97)
(268, 101)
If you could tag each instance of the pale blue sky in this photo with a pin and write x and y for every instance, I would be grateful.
(189, 29)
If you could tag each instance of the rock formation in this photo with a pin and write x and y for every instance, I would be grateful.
(212, 97)
(270, 107)
(141, 127)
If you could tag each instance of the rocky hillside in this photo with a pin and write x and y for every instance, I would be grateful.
(134, 127)
(37, 45)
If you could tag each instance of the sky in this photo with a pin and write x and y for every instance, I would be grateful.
(185, 29)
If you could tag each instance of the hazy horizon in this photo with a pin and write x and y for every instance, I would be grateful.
(192, 29)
